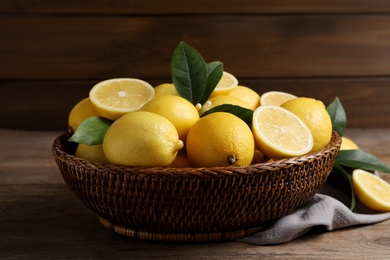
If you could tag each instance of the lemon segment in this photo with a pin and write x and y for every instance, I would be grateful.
(114, 98)
(275, 98)
(371, 190)
(279, 133)
(225, 85)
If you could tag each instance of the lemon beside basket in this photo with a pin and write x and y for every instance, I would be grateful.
(193, 204)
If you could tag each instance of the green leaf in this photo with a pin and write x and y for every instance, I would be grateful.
(340, 179)
(338, 116)
(358, 159)
(244, 113)
(214, 75)
(189, 73)
(91, 131)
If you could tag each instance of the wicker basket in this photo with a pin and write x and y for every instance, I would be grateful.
(193, 204)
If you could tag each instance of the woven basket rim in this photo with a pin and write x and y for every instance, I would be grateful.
(193, 204)
(273, 165)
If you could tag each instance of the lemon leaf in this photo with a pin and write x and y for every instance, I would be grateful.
(244, 113)
(189, 73)
(338, 116)
(358, 159)
(341, 180)
(91, 131)
(214, 75)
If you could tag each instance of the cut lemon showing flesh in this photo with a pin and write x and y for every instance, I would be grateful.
(314, 114)
(371, 190)
(225, 85)
(114, 98)
(279, 133)
(275, 98)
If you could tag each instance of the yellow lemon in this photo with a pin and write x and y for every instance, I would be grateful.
(114, 98)
(314, 114)
(165, 89)
(221, 100)
(178, 110)
(181, 160)
(279, 133)
(142, 138)
(371, 190)
(275, 98)
(92, 153)
(225, 85)
(220, 139)
(348, 144)
(81, 111)
(258, 157)
(246, 94)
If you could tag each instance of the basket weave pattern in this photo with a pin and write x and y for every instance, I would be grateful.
(195, 204)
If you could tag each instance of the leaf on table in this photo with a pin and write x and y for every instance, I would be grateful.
(91, 131)
(358, 159)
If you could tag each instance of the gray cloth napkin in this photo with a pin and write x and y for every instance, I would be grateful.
(322, 210)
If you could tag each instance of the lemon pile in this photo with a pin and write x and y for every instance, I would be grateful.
(155, 126)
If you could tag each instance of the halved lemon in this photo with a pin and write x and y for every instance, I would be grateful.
(371, 190)
(225, 85)
(279, 133)
(275, 98)
(114, 98)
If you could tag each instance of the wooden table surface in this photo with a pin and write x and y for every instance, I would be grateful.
(40, 218)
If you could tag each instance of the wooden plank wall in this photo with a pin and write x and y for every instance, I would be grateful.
(53, 52)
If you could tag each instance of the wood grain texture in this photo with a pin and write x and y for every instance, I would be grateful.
(261, 46)
(53, 52)
(48, 222)
(191, 7)
(40, 218)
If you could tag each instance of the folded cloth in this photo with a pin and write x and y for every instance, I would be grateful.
(321, 210)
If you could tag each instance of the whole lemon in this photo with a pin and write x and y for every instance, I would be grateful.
(314, 114)
(141, 138)
(348, 144)
(181, 160)
(246, 94)
(165, 89)
(82, 110)
(181, 112)
(220, 139)
(92, 153)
